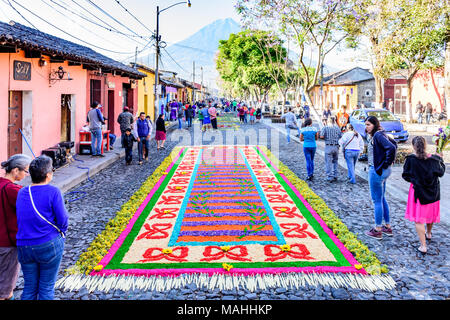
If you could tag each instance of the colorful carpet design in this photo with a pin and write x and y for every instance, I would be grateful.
(225, 217)
(225, 210)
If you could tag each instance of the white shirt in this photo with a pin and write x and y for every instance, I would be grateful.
(356, 144)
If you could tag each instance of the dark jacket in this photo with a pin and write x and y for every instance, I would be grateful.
(424, 176)
(160, 125)
(384, 150)
(128, 141)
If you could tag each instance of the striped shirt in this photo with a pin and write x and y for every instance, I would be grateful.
(331, 134)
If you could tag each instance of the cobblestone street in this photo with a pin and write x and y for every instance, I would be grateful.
(417, 277)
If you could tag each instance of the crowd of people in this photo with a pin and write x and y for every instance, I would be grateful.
(34, 220)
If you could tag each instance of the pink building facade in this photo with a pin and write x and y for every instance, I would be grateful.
(47, 85)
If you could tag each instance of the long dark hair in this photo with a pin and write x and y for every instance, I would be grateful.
(420, 146)
(376, 124)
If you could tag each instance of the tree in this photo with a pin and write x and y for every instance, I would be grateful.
(419, 42)
(312, 25)
(240, 62)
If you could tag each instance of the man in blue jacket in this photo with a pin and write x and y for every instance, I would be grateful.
(142, 131)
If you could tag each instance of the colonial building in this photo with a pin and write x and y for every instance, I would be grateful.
(146, 90)
(47, 85)
(427, 86)
(347, 87)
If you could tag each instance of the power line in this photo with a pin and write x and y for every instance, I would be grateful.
(175, 61)
(111, 29)
(134, 17)
(90, 44)
(9, 3)
(106, 13)
(81, 26)
(139, 52)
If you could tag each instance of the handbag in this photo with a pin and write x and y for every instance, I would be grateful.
(42, 217)
(343, 149)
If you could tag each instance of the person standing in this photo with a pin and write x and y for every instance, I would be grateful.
(352, 145)
(309, 135)
(42, 221)
(128, 141)
(326, 113)
(206, 119)
(125, 120)
(391, 106)
(331, 134)
(160, 135)
(245, 114)
(241, 113)
(423, 171)
(213, 115)
(381, 155)
(95, 120)
(428, 112)
(189, 115)
(291, 123)
(419, 111)
(180, 114)
(342, 118)
(16, 168)
(200, 115)
(142, 131)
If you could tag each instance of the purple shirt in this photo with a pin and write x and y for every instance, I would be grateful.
(32, 229)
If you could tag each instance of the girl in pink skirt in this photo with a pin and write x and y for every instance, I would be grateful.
(423, 171)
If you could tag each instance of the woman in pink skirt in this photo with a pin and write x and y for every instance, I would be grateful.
(423, 171)
(160, 135)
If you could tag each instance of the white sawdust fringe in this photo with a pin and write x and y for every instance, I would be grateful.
(225, 282)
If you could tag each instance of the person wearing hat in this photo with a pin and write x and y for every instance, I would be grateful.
(125, 120)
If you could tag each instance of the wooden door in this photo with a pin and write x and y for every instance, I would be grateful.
(146, 104)
(111, 113)
(66, 117)
(15, 110)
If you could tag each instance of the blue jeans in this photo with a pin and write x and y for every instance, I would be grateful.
(112, 139)
(180, 120)
(377, 186)
(419, 118)
(40, 265)
(309, 157)
(96, 141)
(189, 121)
(288, 133)
(351, 157)
(143, 140)
(331, 161)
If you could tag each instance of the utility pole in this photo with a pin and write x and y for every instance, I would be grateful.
(321, 87)
(193, 81)
(135, 58)
(201, 68)
(157, 64)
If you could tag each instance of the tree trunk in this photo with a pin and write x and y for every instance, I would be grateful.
(447, 75)
(378, 90)
(409, 109)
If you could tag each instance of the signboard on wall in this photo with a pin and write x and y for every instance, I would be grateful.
(22, 70)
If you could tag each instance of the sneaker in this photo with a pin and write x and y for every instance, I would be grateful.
(375, 234)
(140, 163)
(146, 158)
(387, 231)
(101, 155)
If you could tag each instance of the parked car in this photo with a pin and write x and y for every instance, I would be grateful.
(390, 123)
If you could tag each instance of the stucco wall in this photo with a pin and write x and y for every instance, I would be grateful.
(45, 100)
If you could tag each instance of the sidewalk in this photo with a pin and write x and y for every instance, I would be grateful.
(396, 187)
(76, 172)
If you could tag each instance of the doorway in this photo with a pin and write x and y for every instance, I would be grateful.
(15, 111)
(111, 114)
(66, 117)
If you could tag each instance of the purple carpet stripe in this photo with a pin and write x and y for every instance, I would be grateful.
(217, 214)
(218, 223)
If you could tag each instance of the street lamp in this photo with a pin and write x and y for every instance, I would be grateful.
(158, 38)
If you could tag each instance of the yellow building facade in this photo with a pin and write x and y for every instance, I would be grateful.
(146, 96)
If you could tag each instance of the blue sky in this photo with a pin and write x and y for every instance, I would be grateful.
(176, 23)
